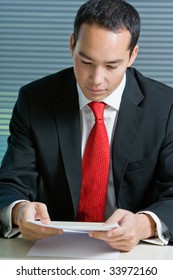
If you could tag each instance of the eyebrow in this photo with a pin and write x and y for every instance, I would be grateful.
(82, 54)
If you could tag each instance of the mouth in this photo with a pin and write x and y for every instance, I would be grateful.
(96, 91)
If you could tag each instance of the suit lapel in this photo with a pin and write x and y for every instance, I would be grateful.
(67, 118)
(129, 119)
(68, 125)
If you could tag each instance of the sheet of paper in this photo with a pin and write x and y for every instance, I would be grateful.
(78, 226)
(73, 245)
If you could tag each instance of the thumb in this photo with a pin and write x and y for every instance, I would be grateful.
(41, 210)
(117, 216)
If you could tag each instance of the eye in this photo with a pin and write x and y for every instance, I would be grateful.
(111, 67)
(86, 62)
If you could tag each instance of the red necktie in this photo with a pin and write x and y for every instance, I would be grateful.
(95, 170)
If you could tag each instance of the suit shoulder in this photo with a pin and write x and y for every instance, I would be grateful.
(49, 81)
(40, 95)
(149, 85)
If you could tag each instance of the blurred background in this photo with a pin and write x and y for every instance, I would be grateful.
(34, 42)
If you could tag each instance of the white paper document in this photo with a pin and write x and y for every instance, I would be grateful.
(73, 245)
(78, 226)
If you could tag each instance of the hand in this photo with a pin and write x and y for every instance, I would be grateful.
(133, 228)
(24, 212)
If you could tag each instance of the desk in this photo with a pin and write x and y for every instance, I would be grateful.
(17, 248)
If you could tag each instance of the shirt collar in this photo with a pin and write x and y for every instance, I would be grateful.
(113, 100)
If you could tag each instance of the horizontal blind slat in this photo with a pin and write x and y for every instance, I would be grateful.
(34, 41)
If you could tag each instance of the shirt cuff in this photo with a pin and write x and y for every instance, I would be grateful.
(162, 231)
(6, 220)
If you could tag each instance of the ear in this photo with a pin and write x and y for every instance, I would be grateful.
(133, 55)
(72, 43)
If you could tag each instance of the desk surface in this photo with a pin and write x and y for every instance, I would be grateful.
(17, 248)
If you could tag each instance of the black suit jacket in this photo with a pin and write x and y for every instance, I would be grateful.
(43, 159)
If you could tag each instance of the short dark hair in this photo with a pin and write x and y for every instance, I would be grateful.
(114, 15)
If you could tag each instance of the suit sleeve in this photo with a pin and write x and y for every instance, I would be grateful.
(164, 177)
(19, 172)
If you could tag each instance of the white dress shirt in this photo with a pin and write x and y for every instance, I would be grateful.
(87, 121)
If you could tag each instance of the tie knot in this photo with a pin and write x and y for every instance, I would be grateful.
(98, 109)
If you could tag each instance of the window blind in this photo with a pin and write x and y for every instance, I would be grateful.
(34, 42)
(155, 58)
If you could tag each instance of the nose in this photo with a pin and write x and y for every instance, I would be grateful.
(97, 75)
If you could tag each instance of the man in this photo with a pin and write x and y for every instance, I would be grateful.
(41, 173)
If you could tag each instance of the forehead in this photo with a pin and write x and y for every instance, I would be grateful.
(94, 40)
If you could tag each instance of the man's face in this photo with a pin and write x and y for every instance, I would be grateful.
(100, 58)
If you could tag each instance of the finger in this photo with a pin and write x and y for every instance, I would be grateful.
(43, 215)
(100, 235)
(116, 216)
(30, 231)
(122, 244)
(112, 232)
(29, 235)
(41, 228)
(27, 212)
(115, 242)
(35, 210)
